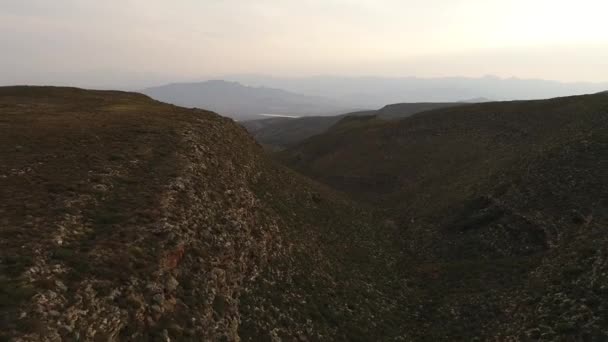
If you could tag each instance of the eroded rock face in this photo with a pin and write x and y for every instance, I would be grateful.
(118, 264)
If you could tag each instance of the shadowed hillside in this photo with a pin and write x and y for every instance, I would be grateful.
(278, 133)
(483, 190)
(429, 148)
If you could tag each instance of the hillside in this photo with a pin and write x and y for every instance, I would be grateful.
(124, 218)
(279, 133)
(497, 134)
(242, 102)
(483, 190)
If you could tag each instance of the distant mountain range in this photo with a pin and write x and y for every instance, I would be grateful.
(374, 92)
(247, 97)
(243, 102)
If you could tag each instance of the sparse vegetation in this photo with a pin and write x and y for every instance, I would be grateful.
(491, 200)
(126, 218)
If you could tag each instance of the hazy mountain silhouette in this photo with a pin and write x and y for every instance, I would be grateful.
(374, 92)
(242, 102)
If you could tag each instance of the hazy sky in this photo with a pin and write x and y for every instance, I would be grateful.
(128, 42)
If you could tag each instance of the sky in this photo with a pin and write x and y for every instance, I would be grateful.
(132, 43)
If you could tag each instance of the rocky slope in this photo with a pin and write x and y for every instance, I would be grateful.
(123, 218)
